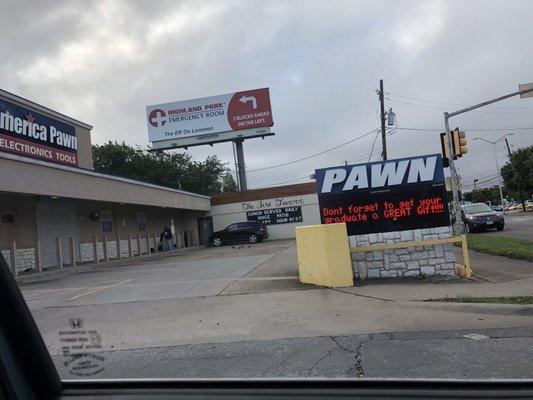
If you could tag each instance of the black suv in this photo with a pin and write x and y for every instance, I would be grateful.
(251, 232)
(479, 216)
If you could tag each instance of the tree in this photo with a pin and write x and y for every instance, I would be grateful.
(517, 174)
(176, 170)
(483, 195)
(228, 183)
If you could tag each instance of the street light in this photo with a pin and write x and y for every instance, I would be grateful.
(475, 180)
(497, 165)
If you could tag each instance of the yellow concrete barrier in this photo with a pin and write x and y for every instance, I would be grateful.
(324, 255)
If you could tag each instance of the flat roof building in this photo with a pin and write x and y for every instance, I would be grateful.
(52, 202)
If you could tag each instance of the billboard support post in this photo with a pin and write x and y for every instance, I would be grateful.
(240, 164)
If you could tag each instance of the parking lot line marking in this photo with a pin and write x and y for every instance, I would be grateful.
(99, 288)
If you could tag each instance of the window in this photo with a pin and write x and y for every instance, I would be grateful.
(232, 227)
(477, 208)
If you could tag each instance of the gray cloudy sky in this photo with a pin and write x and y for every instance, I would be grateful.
(103, 61)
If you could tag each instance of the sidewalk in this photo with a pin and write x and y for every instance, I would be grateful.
(54, 272)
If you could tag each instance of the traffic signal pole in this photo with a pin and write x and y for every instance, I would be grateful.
(459, 225)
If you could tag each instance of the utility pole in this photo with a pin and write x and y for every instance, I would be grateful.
(383, 132)
(508, 148)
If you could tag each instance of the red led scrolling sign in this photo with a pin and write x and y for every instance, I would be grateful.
(385, 212)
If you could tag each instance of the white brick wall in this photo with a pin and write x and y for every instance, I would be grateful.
(87, 249)
(25, 258)
(86, 252)
(422, 261)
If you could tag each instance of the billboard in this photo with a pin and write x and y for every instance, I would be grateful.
(215, 118)
(31, 134)
(385, 196)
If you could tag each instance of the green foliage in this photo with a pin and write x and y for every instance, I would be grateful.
(228, 183)
(484, 195)
(176, 170)
(518, 172)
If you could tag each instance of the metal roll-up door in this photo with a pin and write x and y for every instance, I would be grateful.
(56, 220)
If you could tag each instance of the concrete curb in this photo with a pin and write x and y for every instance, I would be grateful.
(488, 308)
(57, 273)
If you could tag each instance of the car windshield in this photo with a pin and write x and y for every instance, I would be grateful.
(271, 189)
(477, 208)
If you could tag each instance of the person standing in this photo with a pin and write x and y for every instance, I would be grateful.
(167, 239)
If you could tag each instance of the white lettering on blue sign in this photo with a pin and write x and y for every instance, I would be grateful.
(421, 169)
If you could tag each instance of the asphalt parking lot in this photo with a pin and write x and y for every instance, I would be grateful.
(240, 311)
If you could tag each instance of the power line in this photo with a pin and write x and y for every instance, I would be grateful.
(308, 175)
(482, 177)
(373, 144)
(443, 109)
(456, 104)
(518, 128)
(282, 182)
(313, 155)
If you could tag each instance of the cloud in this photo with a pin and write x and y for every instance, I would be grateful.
(102, 62)
(420, 26)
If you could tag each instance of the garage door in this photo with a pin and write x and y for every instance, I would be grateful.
(56, 220)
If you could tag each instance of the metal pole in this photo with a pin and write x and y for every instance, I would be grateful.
(499, 175)
(59, 253)
(38, 256)
(95, 249)
(486, 103)
(72, 252)
(119, 253)
(458, 227)
(13, 256)
(240, 160)
(383, 132)
(106, 254)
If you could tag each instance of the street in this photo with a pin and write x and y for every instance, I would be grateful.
(517, 224)
(240, 311)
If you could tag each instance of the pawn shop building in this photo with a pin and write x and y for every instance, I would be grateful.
(56, 210)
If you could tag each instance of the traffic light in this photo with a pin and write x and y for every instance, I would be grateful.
(459, 143)
(445, 150)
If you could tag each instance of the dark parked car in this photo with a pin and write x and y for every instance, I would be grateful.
(480, 216)
(251, 232)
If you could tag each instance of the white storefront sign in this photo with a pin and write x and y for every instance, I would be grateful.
(280, 214)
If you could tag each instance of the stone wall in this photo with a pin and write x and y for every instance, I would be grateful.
(421, 261)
